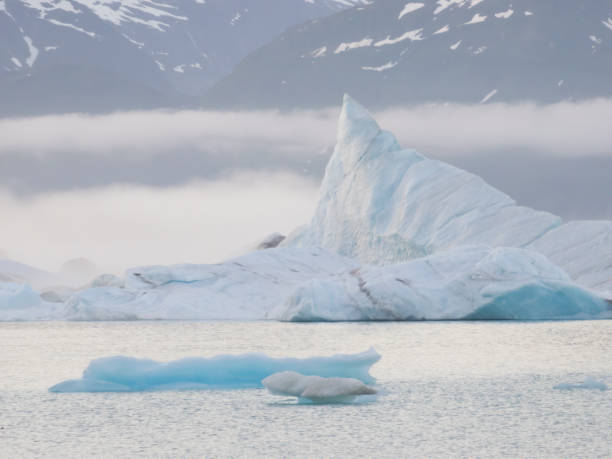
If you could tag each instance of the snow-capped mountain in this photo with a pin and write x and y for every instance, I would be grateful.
(63, 55)
(400, 52)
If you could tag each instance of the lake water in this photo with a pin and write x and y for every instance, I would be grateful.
(447, 389)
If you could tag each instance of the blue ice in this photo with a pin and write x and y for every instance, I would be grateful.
(128, 374)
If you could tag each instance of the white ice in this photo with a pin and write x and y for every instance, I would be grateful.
(471, 282)
(316, 388)
(245, 288)
(382, 204)
(395, 236)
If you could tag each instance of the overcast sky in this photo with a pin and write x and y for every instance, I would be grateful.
(164, 187)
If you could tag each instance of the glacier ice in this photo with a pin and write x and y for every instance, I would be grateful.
(19, 301)
(469, 282)
(245, 288)
(124, 374)
(382, 204)
(16, 296)
(316, 388)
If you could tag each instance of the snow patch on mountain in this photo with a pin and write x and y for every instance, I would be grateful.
(71, 26)
(319, 52)
(342, 47)
(444, 4)
(412, 35)
(381, 68)
(33, 50)
(135, 11)
(504, 14)
(409, 8)
(476, 19)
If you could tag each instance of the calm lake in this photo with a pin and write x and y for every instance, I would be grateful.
(447, 389)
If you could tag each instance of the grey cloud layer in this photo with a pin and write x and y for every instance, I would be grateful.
(167, 187)
(568, 129)
(553, 157)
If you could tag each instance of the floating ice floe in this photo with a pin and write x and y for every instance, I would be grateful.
(589, 383)
(316, 388)
(127, 374)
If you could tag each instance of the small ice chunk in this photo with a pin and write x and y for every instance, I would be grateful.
(589, 383)
(316, 388)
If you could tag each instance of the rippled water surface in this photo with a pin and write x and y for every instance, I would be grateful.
(446, 389)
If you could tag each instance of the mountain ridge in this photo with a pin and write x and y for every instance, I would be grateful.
(398, 53)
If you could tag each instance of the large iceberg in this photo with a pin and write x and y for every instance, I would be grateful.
(396, 236)
(127, 374)
(382, 204)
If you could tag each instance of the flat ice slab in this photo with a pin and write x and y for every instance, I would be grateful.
(128, 374)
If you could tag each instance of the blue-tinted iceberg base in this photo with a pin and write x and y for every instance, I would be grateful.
(465, 283)
(128, 374)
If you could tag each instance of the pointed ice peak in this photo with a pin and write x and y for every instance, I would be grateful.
(356, 130)
(354, 112)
